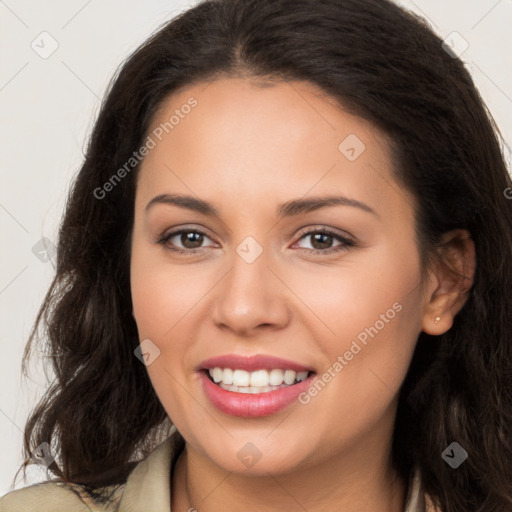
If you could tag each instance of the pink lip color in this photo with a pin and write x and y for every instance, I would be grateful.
(252, 405)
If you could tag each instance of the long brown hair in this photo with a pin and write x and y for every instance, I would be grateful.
(386, 66)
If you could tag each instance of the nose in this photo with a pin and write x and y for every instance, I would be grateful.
(251, 297)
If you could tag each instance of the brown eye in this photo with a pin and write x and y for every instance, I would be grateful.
(321, 241)
(184, 241)
(191, 239)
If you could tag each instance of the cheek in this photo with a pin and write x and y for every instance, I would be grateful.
(372, 310)
(162, 293)
(366, 293)
(159, 301)
(161, 298)
(167, 301)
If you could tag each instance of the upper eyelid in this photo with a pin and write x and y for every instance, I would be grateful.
(174, 232)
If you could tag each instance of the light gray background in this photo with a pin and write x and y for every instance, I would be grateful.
(48, 107)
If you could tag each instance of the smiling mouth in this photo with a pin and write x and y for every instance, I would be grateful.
(256, 382)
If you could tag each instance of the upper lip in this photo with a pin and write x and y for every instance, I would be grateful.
(252, 363)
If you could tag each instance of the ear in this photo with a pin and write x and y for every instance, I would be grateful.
(450, 281)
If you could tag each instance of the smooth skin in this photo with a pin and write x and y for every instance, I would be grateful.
(246, 149)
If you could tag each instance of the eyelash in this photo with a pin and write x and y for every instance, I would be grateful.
(346, 244)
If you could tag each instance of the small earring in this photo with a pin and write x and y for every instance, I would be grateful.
(437, 319)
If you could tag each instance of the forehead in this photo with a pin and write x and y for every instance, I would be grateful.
(287, 139)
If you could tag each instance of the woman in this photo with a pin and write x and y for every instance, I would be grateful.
(283, 276)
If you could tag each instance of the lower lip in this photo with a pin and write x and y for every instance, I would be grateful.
(252, 405)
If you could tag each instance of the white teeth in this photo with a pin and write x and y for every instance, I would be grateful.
(276, 377)
(217, 374)
(240, 378)
(227, 377)
(259, 381)
(250, 389)
(302, 376)
(259, 378)
(289, 377)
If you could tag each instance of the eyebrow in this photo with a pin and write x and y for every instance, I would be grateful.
(288, 209)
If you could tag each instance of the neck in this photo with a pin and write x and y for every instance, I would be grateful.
(353, 483)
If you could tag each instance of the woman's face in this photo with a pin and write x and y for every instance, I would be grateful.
(259, 278)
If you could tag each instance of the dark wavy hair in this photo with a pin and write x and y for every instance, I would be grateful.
(381, 63)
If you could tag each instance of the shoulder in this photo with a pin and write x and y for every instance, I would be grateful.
(57, 496)
(146, 488)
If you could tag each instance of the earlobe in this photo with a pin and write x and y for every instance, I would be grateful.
(438, 323)
(453, 278)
